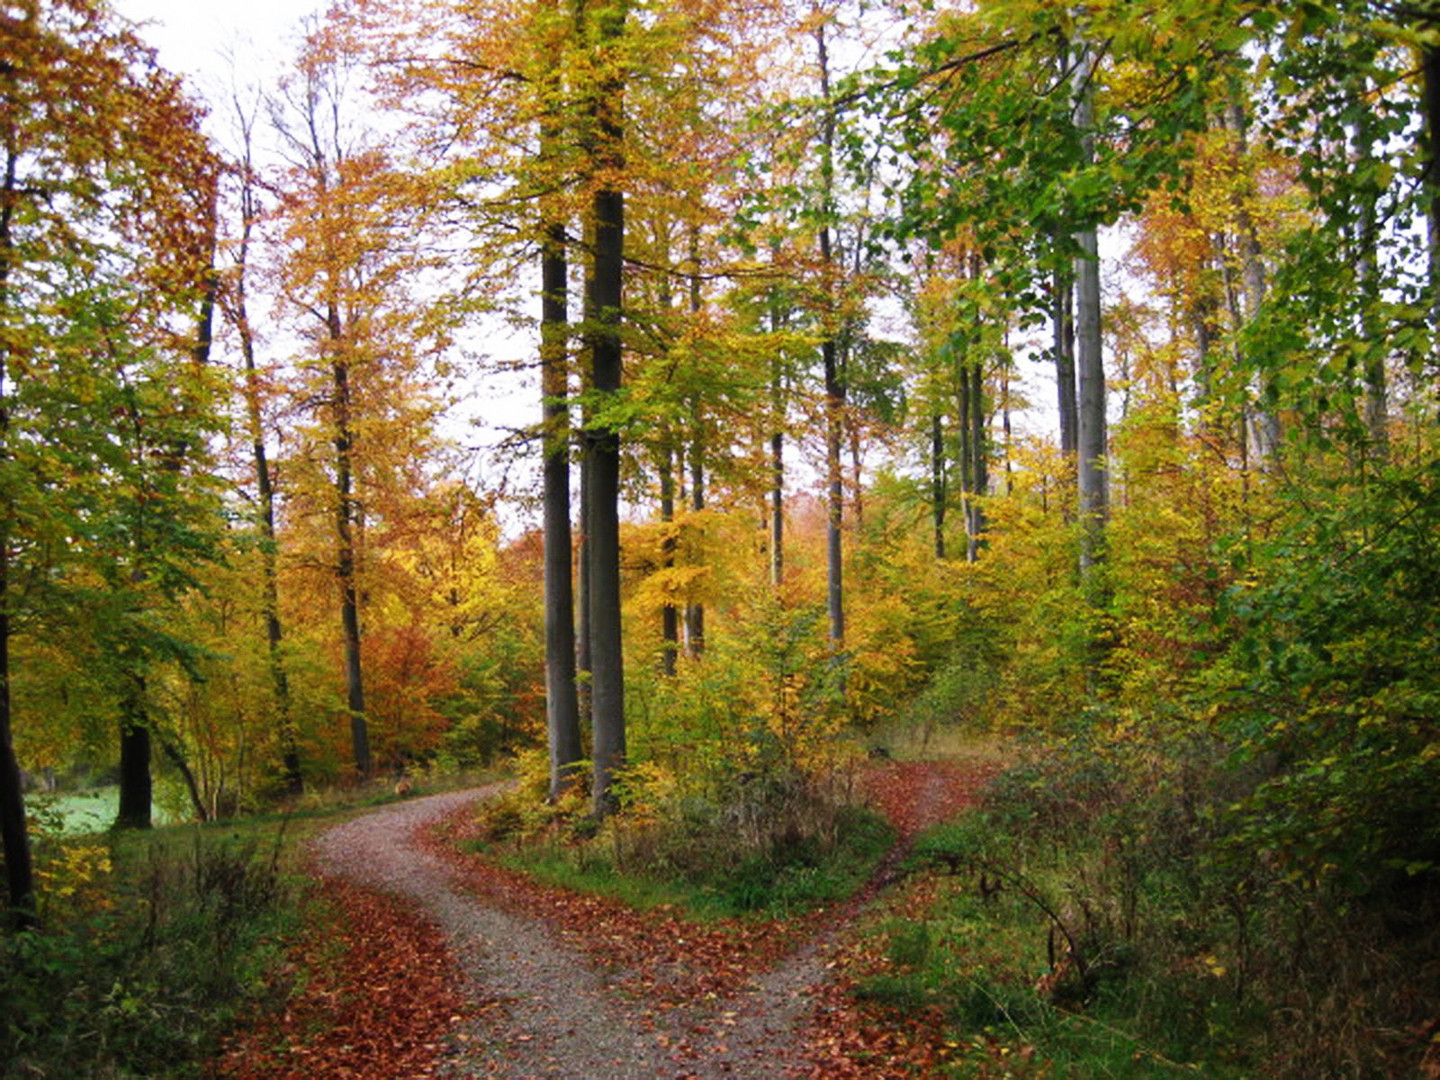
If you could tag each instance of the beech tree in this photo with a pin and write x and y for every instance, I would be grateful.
(352, 241)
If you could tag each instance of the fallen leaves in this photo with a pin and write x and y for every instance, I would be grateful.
(373, 993)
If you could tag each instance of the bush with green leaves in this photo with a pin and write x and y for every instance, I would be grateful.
(146, 980)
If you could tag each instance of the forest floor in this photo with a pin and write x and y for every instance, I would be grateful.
(443, 964)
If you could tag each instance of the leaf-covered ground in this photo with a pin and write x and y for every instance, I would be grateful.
(377, 991)
(371, 991)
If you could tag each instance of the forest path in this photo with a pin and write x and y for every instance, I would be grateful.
(543, 1006)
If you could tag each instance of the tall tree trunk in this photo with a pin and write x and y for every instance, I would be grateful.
(603, 312)
(1430, 59)
(1264, 434)
(965, 447)
(829, 354)
(979, 453)
(777, 451)
(857, 474)
(1005, 427)
(1063, 317)
(1089, 362)
(937, 481)
(346, 560)
(562, 706)
(19, 869)
(777, 508)
(669, 614)
(135, 782)
(265, 510)
(1368, 275)
(694, 612)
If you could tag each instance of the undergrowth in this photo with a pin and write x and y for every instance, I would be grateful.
(151, 947)
(770, 845)
(1100, 917)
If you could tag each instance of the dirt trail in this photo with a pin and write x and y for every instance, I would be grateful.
(543, 1008)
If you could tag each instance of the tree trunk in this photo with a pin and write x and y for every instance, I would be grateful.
(1431, 176)
(979, 452)
(346, 560)
(777, 451)
(1264, 435)
(857, 475)
(171, 751)
(603, 312)
(562, 707)
(265, 514)
(135, 782)
(777, 508)
(19, 869)
(1089, 362)
(1064, 322)
(669, 615)
(829, 354)
(937, 481)
(695, 613)
(1368, 280)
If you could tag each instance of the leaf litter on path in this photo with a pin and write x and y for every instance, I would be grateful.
(453, 966)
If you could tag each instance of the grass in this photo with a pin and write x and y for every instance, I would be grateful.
(775, 848)
(1089, 923)
(155, 944)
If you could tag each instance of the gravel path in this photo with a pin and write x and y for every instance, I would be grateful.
(545, 1010)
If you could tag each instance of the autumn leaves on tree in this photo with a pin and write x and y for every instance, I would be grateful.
(793, 278)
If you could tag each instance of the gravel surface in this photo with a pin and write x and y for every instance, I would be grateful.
(544, 1009)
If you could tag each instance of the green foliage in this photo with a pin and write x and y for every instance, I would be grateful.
(141, 974)
(771, 844)
(1342, 700)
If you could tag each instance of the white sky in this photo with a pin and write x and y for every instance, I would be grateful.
(218, 44)
(193, 36)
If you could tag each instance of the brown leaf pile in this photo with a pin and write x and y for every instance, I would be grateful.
(372, 993)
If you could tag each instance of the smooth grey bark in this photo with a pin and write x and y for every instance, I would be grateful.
(562, 707)
(1093, 480)
(603, 304)
(1264, 434)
